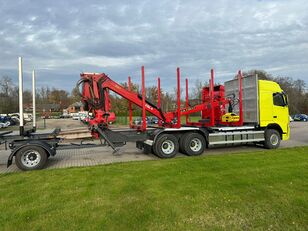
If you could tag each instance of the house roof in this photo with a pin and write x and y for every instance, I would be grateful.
(76, 104)
(49, 106)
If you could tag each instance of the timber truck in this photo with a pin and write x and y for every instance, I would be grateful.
(242, 110)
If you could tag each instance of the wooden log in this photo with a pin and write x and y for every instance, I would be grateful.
(81, 133)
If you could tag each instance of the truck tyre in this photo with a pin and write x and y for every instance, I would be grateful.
(181, 142)
(31, 158)
(193, 144)
(147, 149)
(272, 139)
(166, 146)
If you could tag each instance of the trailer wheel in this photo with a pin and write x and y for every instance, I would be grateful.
(166, 146)
(193, 144)
(30, 158)
(272, 139)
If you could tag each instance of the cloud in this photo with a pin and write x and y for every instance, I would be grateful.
(63, 38)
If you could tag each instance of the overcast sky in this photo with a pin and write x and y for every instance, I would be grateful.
(60, 39)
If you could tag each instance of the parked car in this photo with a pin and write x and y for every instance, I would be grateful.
(174, 121)
(65, 116)
(46, 116)
(138, 120)
(154, 120)
(291, 119)
(27, 117)
(15, 120)
(300, 117)
(75, 116)
(4, 125)
(8, 120)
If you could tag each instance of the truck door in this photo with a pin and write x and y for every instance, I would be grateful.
(281, 111)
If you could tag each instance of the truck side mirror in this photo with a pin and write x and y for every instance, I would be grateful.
(285, 99)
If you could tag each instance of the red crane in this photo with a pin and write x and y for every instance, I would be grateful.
(95, 95)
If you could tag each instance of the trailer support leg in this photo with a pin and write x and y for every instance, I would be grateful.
(101, 132)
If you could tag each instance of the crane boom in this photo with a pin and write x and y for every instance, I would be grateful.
(95, 95)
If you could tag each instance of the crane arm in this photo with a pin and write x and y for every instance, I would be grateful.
(94, 94)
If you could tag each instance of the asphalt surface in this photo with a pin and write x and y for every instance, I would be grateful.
(103, 155)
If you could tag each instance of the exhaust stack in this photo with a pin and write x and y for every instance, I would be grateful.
(21, 110)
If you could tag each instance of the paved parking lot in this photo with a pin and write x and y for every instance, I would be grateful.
(103, 155)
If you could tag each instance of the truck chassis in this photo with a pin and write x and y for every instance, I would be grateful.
(33, 150)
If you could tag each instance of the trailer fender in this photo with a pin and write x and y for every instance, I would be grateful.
(51, 151)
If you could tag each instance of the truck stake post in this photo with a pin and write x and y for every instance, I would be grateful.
(158, 98)
(240, 79)
(144, 124)
(33, 100)
(212, 118)
(178, 97)
(130, 104)
(186, 99)
(21, 109)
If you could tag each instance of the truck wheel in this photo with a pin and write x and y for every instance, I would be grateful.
(193, 144)
(30, 158)
(166, 146)
(182, 142)
(272, 139)
(147, 149)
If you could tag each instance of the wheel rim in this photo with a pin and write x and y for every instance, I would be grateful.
(274, 139)
(195, 145)
(168, 147)
(30, 158)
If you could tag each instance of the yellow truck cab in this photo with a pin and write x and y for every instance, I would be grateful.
(274, 111)
(265, 110)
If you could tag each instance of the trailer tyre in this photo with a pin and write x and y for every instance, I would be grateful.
(272, 139)
(193, 144)
(31, 158)
(166, 146)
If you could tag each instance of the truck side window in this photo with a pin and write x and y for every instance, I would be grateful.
(278, 99)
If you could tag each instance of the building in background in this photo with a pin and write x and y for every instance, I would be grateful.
(75, 108)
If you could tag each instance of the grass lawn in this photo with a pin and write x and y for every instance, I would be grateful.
(261, 190)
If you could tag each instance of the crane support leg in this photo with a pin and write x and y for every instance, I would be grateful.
(102, 133)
